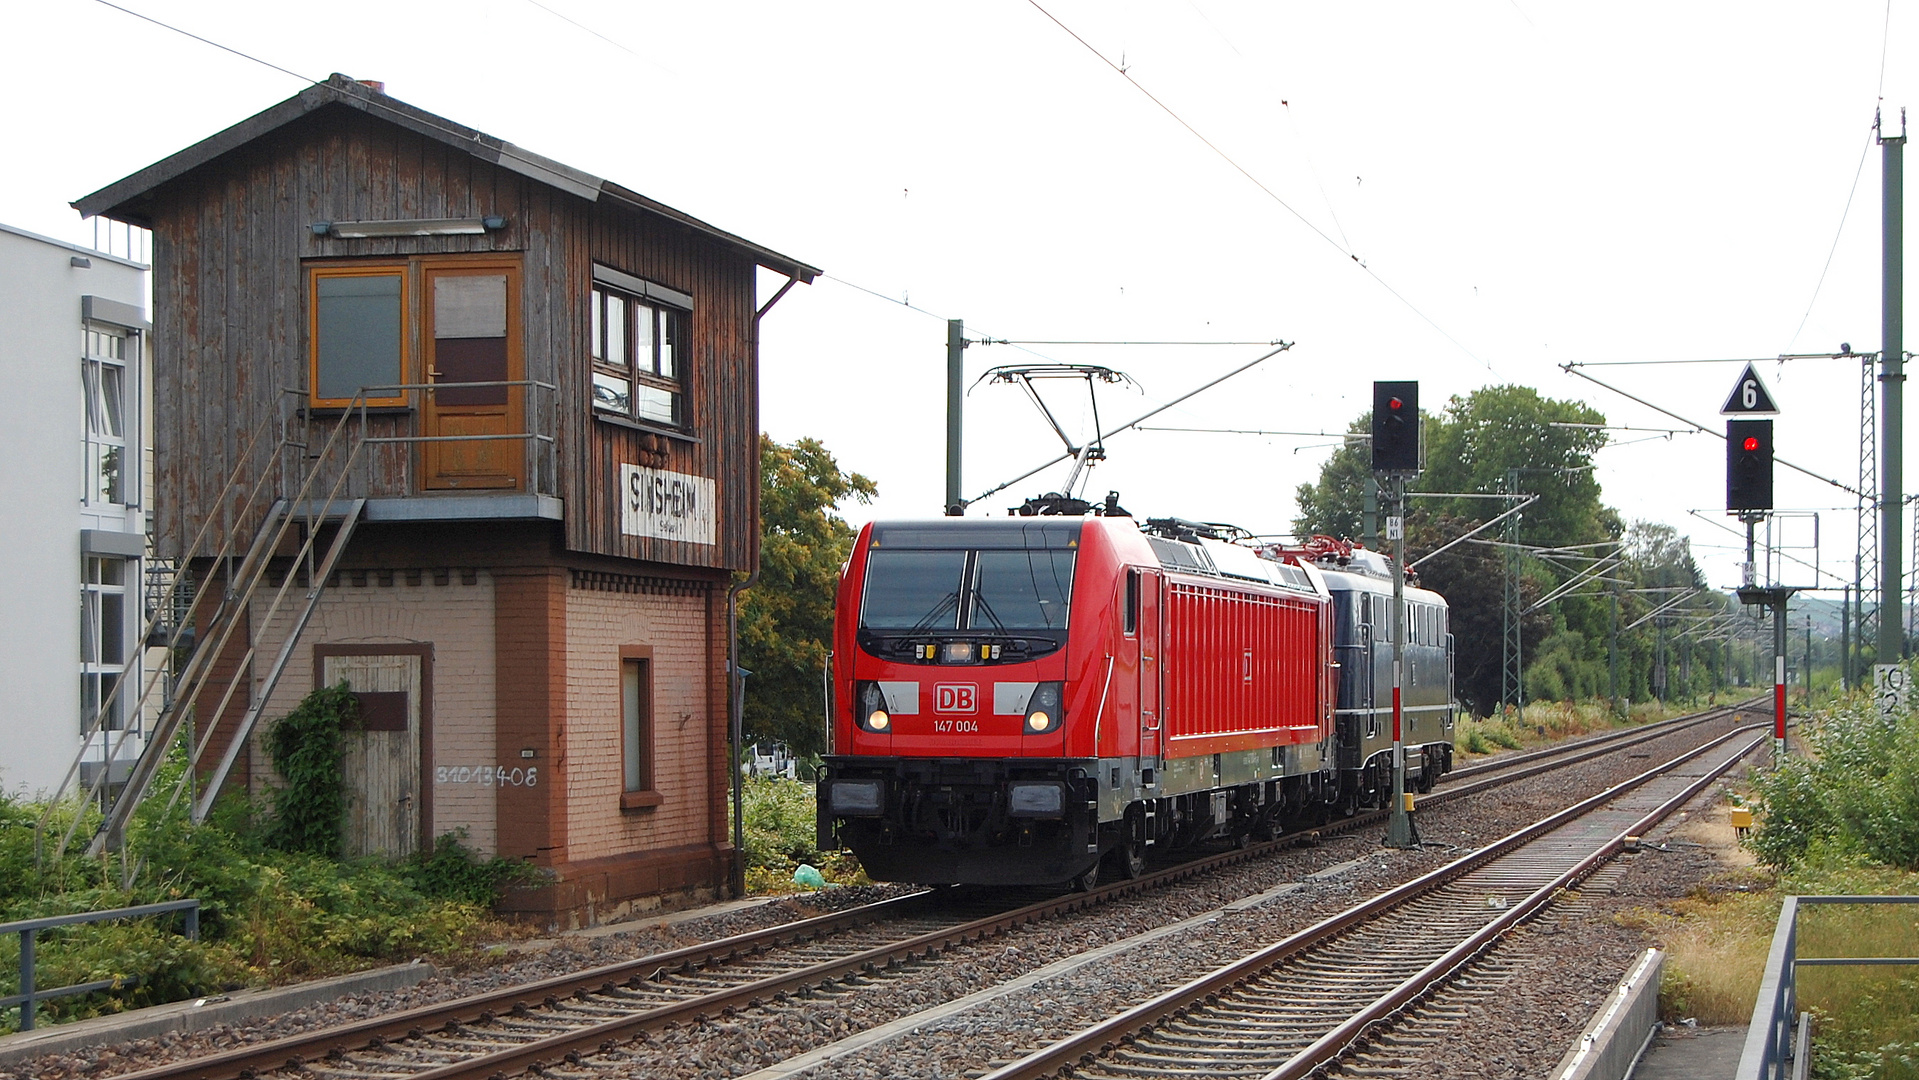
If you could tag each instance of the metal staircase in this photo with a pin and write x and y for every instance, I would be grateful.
(232, 595)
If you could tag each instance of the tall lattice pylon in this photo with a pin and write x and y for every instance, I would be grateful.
(1865, 580)
(1512, 668)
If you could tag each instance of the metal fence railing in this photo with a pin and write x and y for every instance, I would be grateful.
(30, 995)
(1779, 1039)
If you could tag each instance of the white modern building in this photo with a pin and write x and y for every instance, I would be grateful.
(73, 519)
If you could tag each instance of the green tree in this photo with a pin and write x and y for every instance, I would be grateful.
(1506, 438)
(1495, 440)
(1472, 577)
(1332, 505)
(786, 618)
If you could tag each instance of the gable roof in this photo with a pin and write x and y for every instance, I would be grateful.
(123, 200)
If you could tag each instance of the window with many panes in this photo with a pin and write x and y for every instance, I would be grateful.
(104, 629)
(110, 476)
(639, 349)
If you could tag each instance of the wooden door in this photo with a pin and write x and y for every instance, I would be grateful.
(472, 337)
(381, 769)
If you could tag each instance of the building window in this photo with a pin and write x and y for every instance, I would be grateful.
(636, 729)
(357, 334)
(639, 349)
(103, 640)
(105, 381)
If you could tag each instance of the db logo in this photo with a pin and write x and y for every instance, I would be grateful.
(955, 697)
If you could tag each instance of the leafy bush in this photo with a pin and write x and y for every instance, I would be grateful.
(452, 872)
(780, 827)
(267, 915)
(1855, 793)
(781, 834)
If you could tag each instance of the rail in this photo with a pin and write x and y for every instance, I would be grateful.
(709, 963)
(29, 996)
(1780, 1037)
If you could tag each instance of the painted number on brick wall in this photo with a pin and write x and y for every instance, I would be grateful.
(666, 505)
(488, 775)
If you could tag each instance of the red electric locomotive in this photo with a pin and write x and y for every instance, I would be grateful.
(1016, 699)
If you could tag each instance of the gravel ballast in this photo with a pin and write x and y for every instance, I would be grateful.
(1552, 994)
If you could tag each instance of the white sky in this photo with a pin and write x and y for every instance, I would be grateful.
(1540, 183)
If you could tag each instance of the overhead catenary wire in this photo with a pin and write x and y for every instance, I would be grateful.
(1843, 355)
(372, 102)
(1019, 341)
(1701, 428)
(1103, 435)
(1816, 569)
(1840, 232)
(1269, 192)
(1879, 97)
(209, 41)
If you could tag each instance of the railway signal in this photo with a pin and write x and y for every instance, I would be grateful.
(1748, 465)
(1396, 427)
(1395, 458)
(1749, 495)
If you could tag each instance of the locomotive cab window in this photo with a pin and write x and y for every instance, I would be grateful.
(991, 592)
(1131, 625)
(1023, 590)
(913, 590)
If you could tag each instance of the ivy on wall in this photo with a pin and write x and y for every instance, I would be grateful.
(307, 747)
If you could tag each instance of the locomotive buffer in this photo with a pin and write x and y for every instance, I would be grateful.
(1396, 459)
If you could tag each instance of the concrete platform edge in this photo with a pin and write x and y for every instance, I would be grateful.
(201, 1013)
(1622, 1025)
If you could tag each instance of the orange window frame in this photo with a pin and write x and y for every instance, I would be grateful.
(315, 274)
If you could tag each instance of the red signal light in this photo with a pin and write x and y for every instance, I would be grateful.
(1751, 444)
(1395, 404)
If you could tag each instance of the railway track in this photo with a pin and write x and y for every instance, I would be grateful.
(562, 1019)
(1300, 1005)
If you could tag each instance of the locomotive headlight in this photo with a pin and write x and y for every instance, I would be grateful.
(1044, 708)
(872, 708)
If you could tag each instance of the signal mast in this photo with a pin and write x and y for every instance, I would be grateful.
(1396, 459)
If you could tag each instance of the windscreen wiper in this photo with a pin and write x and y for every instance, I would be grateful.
(949, 603)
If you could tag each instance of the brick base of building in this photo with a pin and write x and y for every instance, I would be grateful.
(594, 891)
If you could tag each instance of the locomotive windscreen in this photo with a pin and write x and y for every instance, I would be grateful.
(913, 590)
(992, 590)
(1022, 590)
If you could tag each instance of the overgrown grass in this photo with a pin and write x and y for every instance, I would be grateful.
(1717, 939)
(1840, 818)
(1550, 721)
(267, 915)
(781, 835)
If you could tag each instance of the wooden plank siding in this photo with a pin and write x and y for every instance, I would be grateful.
(721, 391)
(233, 239)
